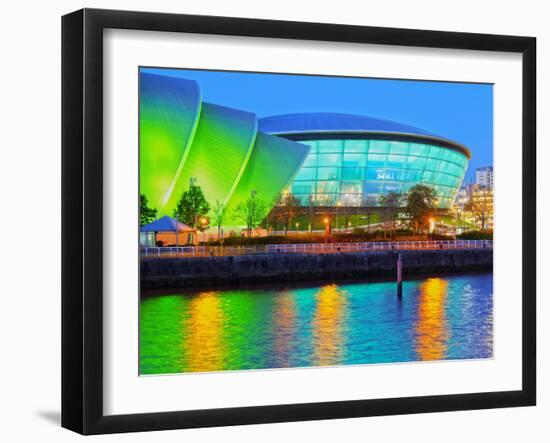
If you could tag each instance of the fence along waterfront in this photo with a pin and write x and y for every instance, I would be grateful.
(311, 248)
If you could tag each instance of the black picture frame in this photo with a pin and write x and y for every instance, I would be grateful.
(82, 220)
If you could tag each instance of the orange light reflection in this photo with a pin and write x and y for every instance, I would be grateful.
(327, 325)
(431, 328)
(285, 323)
(203, 339)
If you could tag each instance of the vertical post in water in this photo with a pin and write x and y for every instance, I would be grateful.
(399, 276)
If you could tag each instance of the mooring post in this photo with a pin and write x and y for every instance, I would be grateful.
(399, 276)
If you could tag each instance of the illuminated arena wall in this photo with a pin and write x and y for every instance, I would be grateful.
(354, 160)
(221, 149)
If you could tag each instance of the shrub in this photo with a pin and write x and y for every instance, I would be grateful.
(404, 232)
(476, 235)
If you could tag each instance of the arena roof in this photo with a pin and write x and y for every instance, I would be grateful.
(303, 126)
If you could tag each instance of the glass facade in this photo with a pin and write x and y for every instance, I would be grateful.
(357, 172)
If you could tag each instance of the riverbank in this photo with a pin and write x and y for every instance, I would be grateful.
(185, 272)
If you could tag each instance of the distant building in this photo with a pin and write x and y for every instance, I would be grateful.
(484, 177)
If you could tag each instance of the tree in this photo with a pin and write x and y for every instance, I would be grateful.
(192, 208)
(218, 216)
(347, 221)
(420, 205)
(272, 218)
(252, 212)
(391, 203)
(311, 203)
(284, 208)
(288, 208)
(146, 214)
(369, 203)
(481, 206)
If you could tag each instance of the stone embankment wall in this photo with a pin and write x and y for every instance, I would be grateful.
(275, 268)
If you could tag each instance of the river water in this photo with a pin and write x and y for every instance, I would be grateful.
(437, 318)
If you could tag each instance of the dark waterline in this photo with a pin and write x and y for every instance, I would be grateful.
(438, 318)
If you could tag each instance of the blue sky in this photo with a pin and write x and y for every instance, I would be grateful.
(459, 111)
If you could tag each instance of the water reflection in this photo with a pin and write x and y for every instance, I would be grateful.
(203, 342)
(358, 323)
(284, 318)
(328, 325)
(431, 327)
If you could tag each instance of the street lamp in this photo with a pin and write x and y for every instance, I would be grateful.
(327, 228)
(203, 222)
(337, 214)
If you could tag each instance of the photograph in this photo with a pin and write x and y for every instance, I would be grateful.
(294, 220)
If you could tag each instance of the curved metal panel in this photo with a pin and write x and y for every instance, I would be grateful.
(168, 114)
(272, 166)
(220, 151)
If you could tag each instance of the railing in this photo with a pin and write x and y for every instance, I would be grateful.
(381, 246)
(312, 248)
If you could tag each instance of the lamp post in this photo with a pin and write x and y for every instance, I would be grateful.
(203, 224)
(311, 201)
(337, 214)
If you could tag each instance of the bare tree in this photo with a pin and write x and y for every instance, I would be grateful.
(369, 203)
(285, 209)
(390, 203)
(272, 218)
(481, 206)
(218, 216)
(311, 210)
(252, 212)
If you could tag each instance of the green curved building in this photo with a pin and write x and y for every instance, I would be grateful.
(183, 138)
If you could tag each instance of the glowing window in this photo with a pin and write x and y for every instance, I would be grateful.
(379, 147)
(305, 174)
(329, 159)
(356, 145)
(330, 146)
